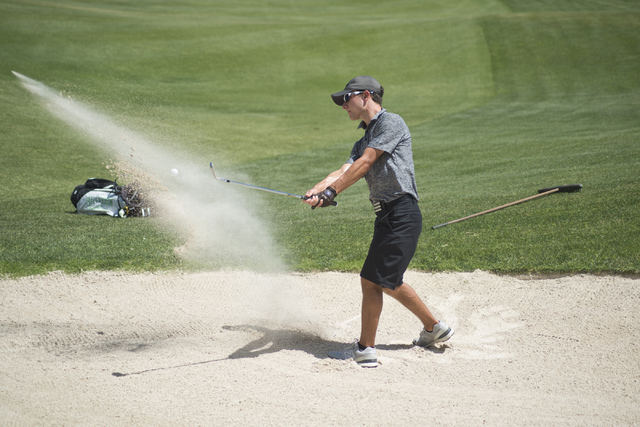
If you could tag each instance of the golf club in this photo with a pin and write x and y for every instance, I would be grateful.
(542, 192)
(297, 196)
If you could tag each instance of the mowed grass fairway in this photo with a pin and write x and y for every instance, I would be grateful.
(502, 98)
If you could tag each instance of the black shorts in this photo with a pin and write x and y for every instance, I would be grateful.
(395, 239)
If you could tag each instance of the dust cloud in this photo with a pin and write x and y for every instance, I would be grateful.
(218, 224)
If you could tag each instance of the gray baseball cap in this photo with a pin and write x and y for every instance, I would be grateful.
(360, 83)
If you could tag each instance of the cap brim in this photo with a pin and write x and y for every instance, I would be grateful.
(338, 98)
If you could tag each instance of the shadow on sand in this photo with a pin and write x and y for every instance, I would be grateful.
(275, 340)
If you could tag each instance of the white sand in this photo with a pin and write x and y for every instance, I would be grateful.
(240, 348)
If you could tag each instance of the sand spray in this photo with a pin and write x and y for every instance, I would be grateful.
(220, 227)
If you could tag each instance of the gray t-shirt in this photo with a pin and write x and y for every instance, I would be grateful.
(393, 174)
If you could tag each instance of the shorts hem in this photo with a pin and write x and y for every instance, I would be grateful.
(384, 284)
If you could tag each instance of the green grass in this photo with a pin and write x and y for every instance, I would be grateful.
(502, 98)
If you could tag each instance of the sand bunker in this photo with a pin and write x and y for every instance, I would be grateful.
(241, 348)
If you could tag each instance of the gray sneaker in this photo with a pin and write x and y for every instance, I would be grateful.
(441, 332)
(366, 358)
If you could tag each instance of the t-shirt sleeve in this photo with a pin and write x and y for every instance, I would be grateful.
(387, 134)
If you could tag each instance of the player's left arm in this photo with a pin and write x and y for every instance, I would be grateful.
(357, 170)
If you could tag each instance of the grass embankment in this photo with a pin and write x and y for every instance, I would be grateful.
(502, 99)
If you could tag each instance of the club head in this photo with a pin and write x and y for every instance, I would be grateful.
(213, 171)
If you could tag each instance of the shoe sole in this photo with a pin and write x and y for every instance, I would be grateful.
(368, 363)
(443, 338)
(446, 336)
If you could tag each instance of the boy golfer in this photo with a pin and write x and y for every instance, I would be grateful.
(384, 158)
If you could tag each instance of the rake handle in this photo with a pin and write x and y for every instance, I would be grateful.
(554, 190)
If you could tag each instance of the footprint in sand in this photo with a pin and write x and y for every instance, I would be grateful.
(484, 329)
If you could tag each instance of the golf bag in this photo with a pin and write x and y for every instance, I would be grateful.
(99, 196)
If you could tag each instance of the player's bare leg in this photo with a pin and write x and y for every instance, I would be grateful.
(371, 309)
(408, 297)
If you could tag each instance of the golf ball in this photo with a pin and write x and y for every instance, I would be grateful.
(174, 171)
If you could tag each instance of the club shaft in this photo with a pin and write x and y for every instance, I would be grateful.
(255, 187)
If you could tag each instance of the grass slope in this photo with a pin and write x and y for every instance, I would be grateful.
(502, 98)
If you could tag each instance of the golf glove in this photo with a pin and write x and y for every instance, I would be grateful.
(326, 198)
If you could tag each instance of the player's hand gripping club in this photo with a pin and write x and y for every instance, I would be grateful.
(325, 198)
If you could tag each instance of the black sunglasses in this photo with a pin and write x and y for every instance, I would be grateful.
(347, 96)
